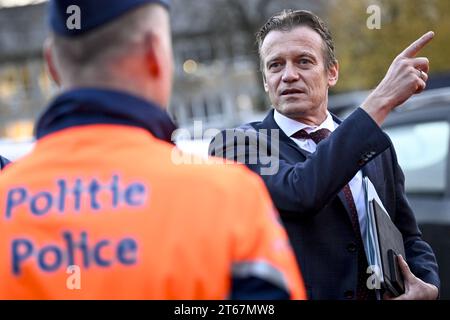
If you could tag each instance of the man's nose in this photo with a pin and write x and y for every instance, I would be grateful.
(290, 73)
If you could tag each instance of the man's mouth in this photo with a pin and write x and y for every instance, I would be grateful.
(291, 91)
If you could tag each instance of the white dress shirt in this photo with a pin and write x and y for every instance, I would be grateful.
(290, 126)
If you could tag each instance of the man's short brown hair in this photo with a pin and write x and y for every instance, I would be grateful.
(286, 20)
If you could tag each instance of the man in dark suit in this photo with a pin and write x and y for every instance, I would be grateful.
(3, 162)
(317, 162)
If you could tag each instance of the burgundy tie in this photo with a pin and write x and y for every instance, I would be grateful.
(316, 136)
(363, 292)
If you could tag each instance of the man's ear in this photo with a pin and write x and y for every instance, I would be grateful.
(266, 87)
(50, 62)
(333, 74)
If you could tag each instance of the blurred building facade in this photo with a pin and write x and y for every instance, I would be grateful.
(24, 84)
(216, 75)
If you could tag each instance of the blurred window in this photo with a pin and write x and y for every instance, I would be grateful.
(422, 151)
(198, 49)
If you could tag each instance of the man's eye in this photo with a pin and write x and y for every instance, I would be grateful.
(304, 61)
(274, 65)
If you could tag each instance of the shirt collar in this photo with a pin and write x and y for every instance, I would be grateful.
(87, 106)
(291, 126)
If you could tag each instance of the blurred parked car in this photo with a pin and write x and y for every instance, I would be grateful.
(343, 104)
(420, 132)
(14, 149)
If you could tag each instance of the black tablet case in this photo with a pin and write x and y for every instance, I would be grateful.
(391, 244)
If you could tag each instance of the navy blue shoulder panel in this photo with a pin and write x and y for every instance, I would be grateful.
(256, 288)
(86, 106)
(3, 162)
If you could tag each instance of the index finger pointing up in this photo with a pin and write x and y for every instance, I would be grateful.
(417, 45)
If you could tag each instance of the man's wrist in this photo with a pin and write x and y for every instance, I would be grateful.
(376, 108)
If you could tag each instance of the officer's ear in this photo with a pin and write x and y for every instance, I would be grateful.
(50, 62)
(159, 65)
(153, 54)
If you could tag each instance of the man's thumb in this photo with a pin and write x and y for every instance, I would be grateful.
(407, 274)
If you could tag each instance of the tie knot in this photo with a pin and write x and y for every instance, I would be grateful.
(315, 136)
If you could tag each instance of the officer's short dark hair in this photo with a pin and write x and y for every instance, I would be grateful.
(96, 48)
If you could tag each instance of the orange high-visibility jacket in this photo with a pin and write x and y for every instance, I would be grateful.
(107, 211)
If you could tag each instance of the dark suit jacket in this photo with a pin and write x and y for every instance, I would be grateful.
(306, 189)
(3, 162)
